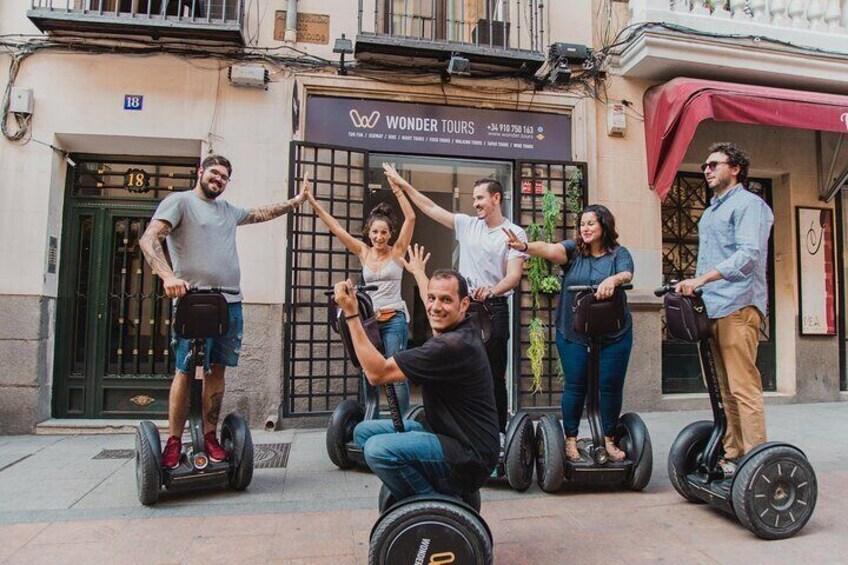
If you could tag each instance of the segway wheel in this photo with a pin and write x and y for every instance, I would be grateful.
(236, 439)
(416, 414)
(148, 463)
(521, 454)
(550, 452)
(775, 492)
(340, 432)
(632, 436)
(440, 531)
(683, 456)
(386, 499)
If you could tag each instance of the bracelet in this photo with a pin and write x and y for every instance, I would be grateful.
(526, 247)
(352, 316)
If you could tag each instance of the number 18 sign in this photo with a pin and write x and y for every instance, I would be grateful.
(133, 101)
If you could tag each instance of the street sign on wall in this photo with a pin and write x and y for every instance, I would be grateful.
(431, 129)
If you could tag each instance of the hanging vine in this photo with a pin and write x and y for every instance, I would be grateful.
(542, 281)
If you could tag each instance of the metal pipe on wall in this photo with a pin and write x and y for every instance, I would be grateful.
(291, 22)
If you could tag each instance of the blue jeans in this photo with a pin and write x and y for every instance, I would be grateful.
(222, 350)
(408, 463)
(613, 367)
(395, 334)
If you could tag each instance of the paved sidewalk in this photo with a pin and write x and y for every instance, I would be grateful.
(58, 505)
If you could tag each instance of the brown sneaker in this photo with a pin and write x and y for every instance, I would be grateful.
(214, 450)
(171, 453)
(571, 451)
(615, 454)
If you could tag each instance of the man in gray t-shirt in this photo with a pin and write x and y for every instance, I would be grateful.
(200, 231)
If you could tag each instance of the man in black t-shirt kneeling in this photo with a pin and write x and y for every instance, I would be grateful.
(458, 449)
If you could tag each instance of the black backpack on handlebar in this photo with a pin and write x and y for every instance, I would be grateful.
(335, 316)
(592, 317)
(686, 317)
(201, 315)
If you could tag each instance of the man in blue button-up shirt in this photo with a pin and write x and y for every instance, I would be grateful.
(734, 233)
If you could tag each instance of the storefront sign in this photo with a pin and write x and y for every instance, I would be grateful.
(429, 129)
(816, 271)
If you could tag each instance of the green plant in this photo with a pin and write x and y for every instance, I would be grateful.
(574, 192)
(542, 281)
(536, 353)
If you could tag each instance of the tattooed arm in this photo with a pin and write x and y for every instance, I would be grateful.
(151, 246)
(265, 213)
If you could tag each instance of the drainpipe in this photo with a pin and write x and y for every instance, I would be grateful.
(291, 23)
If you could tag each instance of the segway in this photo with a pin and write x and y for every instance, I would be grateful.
(631, 435)
(201, 314)
(419, 529)
(518, 456)
(774, 489)
(341, 449)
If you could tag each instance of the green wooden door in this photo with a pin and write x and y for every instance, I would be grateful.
(113, 357)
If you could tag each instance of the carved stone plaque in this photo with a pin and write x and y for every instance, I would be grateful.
(311, 28)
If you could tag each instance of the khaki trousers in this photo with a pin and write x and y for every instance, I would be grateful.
(735, 352)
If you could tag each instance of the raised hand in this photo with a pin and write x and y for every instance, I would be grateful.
(394, 177)
(417, 259)
(305, 189)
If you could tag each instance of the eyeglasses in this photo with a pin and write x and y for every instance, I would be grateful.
(711, 165)
(218, 175)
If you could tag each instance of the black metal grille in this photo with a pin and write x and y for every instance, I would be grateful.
(681, 211)
(317, 374)
(139, 320)
(115, 454)
(271, 455)
(477, 22)
(567, 181)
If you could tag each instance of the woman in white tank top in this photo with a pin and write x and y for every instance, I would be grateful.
(380, 266)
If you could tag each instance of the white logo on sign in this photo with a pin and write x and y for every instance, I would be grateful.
(364, 121)
(844, 119)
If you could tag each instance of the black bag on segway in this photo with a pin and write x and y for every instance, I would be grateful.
(201, 315)
(481, 316)
(686, 317)
(337, 321)
(593, 317)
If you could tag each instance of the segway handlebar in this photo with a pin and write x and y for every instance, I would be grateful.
(208, 288)
(359, 288)
(593, 288)
(666, 288)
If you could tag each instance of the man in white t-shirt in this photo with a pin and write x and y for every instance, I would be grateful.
(490, 266)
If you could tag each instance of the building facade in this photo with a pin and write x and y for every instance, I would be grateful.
(126, 97)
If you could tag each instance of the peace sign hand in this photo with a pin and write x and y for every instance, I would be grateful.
(513, 242)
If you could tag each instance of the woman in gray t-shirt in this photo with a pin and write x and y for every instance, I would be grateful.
(594, 258)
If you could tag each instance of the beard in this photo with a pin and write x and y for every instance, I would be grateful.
(207, 190)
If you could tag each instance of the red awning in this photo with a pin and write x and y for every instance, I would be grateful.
(674, 110)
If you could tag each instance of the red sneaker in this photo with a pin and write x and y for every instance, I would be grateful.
(213, 449)
(171, 453)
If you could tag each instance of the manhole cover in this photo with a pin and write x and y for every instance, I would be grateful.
(115, 454)
(270, 455)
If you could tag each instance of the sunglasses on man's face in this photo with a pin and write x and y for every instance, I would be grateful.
(711, 165)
